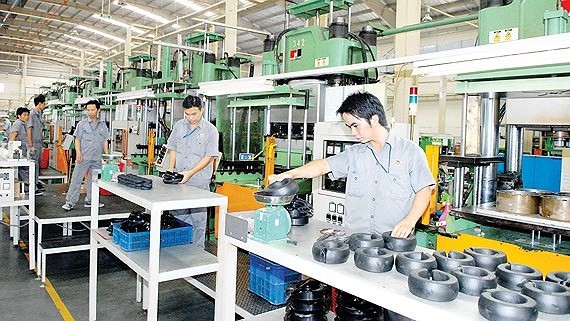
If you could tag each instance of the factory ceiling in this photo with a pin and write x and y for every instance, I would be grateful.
(61, 31)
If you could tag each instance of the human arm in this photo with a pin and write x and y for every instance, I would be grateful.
(201, 165)
(29, 137)
(172, 160)
(79, 157)
(106, 147)
(313, 169)
(13, 135)
(408, 223)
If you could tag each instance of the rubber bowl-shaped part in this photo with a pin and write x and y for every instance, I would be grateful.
(358, 240)
(286, 187)
(373, 259)
(308, 290)
(513, 276)
(448, 262)
(499, 305)
(399, 244)
(331, 251)
(550, 297)
(407, 262)
(433, 285)
(560, 277)
(474, 280)
(486, 258)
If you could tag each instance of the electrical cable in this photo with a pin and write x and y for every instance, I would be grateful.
(14, 225)
(71, 229)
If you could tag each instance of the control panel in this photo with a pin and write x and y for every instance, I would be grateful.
(7, 184)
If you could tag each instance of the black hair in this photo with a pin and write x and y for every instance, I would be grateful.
(95, 102)
(192, 101)
(22, 110)
(39, 99)
(364, 105)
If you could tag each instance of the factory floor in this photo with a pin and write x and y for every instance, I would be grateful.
(65, 294)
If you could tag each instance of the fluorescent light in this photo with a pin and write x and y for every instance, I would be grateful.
(89, 42)
(101, 33)
(190, 5)
(117, 23)
(238, 86)
(141, 11)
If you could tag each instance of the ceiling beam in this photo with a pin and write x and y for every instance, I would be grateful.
(386, 14)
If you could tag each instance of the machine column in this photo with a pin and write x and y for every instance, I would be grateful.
(514, 149)
(489, 143)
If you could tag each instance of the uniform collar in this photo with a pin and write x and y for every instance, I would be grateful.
(200, 123)
(91, 121)
(383, 158)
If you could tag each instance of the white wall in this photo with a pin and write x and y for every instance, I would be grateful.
(13, 97)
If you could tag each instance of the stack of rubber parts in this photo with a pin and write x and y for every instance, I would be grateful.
(300, 211)
(351, 308)
(134, 181)
(172, 177)
(308, 301)
(138, 221)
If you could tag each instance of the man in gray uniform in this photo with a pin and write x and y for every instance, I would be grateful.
(193, 145)
(35, 137)
(388, 181)
(18, 132)
(91, 137)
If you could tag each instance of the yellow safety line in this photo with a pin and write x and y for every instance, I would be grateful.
(63, 311)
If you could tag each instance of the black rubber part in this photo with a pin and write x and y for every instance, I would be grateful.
(299, 221)
(513, 276)
(308, 290)
(331, 251)
(448, 262)
(407, 262)
(550, 297)
(373, 259)
(433, 285)
(286, 187)
(358, 240)
(398, 244)
(497, 305)
(486, 258)
(560, 277)
(474, 280)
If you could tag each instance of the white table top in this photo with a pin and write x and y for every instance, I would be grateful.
(165, 197)
(389, 289)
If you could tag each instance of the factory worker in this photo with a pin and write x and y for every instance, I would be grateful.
(18, 132)
(35, 137)
(388, 182)
(193, 146)
(5, 123)
(91, 137)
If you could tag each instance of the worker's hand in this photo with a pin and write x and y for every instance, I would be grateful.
(32, 152)
(279, 177)
(187, 175)
(403, 229)
(79, 158)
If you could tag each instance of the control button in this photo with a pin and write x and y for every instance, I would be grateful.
(340, 209)
(332, 207)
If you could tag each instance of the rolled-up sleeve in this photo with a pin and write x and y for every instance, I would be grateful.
(174, 136)
(79, 131)
(339, 165)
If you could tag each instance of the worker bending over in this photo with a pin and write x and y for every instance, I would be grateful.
(91, 137)
(193, 146)
(388, 181)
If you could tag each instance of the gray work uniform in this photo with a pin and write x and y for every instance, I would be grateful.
(380, 187)
(92, 137)
(22, 137)
(191, 145)
(36, 122)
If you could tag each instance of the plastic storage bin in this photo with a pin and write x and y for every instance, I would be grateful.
(270, 280)
(44, 162)
(141, 240)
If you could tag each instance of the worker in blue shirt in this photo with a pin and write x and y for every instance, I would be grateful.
(193, 146)
(35, 137)
(91, 136)
(18, 132)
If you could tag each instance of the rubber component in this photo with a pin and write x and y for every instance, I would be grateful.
(172, 178)
(331, 251)
(292, 315)
(433, 285)
(398, 244)
(358, 240)
(560, 277)
(474, 280)
(352, 308)
(513, 276)
(373, 259)
(497, 305)
(286, 187)
(299, 221)
(134, 181)
(550, 297)
(407, 262)
(486, 258)
(448, 262)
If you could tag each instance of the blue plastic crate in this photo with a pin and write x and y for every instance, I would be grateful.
(270, 280)
(141, 240)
